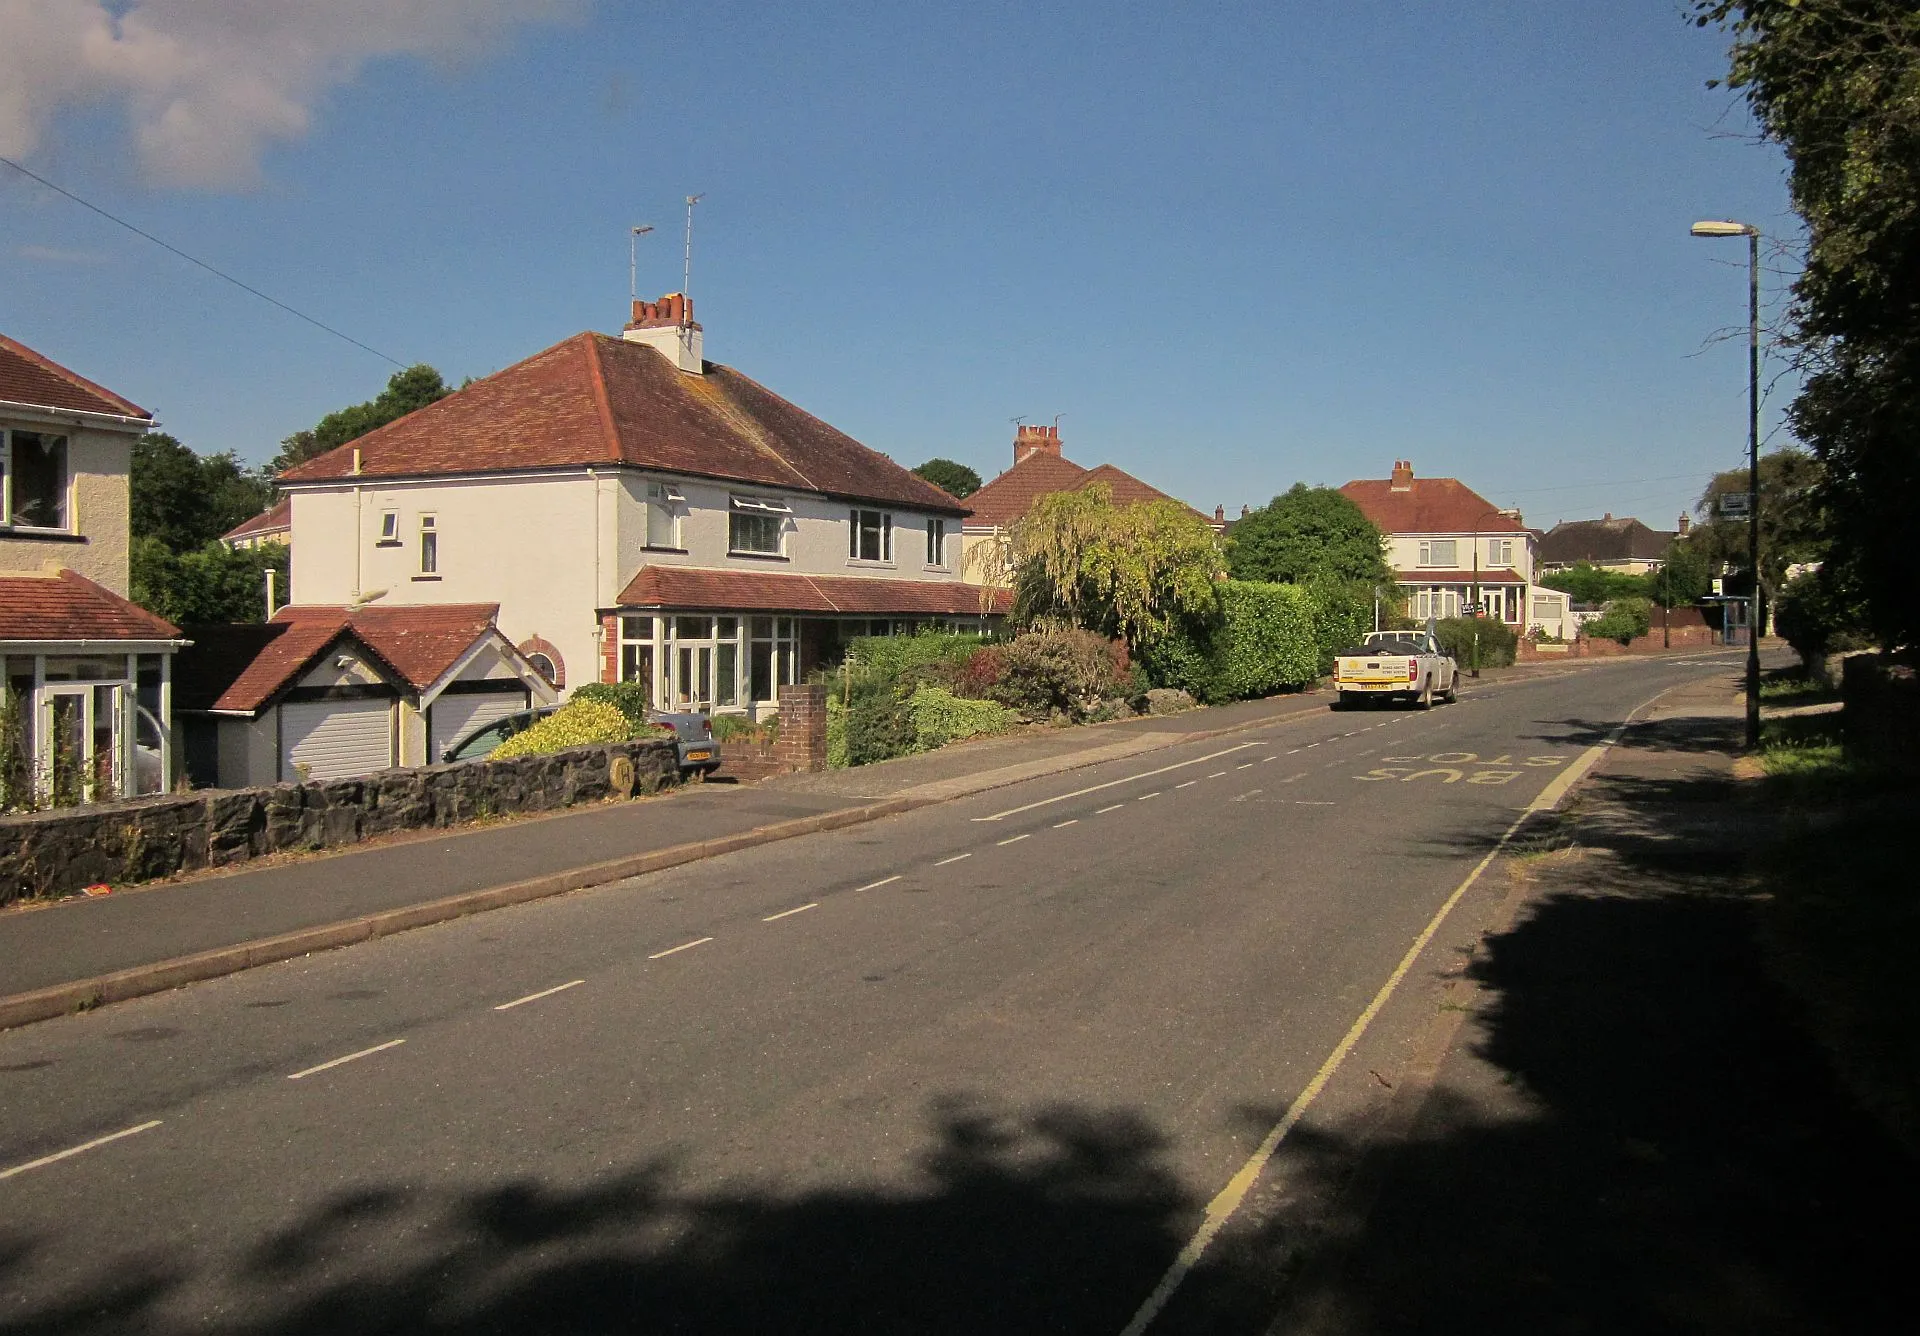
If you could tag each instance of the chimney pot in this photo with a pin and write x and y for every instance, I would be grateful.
(1402, 480)
(1245, 511)
(1219, 512)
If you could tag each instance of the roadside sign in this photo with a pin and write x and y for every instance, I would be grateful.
(1732, 505)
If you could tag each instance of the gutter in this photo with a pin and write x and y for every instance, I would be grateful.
(80, 417)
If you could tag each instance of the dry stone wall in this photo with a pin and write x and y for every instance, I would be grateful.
(56, 852)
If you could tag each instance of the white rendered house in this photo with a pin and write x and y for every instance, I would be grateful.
(638, 513)
(1445, 542)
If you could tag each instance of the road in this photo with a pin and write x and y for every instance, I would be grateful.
(981, 1067)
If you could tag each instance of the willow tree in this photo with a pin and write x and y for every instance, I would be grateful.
(1077, 559)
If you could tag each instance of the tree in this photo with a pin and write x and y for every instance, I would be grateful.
(1135, 571)
(1834, 82)
(407, 390)
(1684, 576)
(187, 500)
(1585, 582)
(955, 479)
(1308, 535)
(209, 585)
(1793, 518)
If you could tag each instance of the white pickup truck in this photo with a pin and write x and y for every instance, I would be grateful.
(1395, 665)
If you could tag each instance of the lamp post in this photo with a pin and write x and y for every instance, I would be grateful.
(1729, 228)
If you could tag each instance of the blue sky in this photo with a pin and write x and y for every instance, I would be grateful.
(1234, 246)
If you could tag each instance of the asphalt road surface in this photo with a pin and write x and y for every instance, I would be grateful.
(979, 1068)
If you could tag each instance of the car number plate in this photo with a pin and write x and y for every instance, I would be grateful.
(701, 755)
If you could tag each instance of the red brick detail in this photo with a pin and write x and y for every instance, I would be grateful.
(1035, 440)
(610, 648)
(674, 309)
(541, 645)
(803, 728)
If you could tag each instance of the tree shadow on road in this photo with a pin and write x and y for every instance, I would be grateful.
(1058, 1220)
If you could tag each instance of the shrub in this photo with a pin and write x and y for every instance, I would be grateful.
(630, 698)
(1265, 642)
(879, 726)
(1498, 641)
(893, 656)
(1622, 620)
(1342, 616)
(578, 723)
(1177, 660)
(940, 717)
(1067, 672)
(1819, 615)
(836, 734)
(738, 728)
(984, 670)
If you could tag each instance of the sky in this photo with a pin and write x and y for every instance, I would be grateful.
(1231, 246)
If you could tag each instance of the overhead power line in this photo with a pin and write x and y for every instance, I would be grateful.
(217, 273)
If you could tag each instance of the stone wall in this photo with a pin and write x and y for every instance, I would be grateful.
(55, 852)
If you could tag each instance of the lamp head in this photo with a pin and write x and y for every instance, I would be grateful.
(1713, 227)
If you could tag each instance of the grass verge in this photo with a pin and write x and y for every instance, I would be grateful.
(1843, 909)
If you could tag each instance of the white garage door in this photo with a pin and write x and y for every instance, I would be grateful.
(335, 739)
(455, 716)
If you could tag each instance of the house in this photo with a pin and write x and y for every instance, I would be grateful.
(1625, 545)
(640, 514)
(272, 525)
(85, 674)
(334, 692)
(1040, 469)
(1445, 542)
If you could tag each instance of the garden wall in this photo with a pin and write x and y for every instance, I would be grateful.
(1689, 630)
(65, 850)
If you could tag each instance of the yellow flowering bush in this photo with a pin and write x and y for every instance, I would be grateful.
(579, 723)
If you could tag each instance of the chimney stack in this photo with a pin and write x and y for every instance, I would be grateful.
(1402, 476)
(668, 327)
(1685, 524)
(1035, 440)
(1245, 511)
(1219, 514)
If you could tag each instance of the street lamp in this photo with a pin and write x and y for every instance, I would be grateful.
(1729, 228)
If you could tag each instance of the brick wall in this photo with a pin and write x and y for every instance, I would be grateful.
(610, 648)
(803, 728)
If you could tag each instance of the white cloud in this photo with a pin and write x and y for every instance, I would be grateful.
(208, 84)
(59, 255)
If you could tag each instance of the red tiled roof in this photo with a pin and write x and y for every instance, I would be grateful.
(67, 606)
(1606, 539)
(28, 377)
(242, 668)
(1488, 577)
(276, 518)
(593, 399)
(1000, 502)
(755, 591)
(1428, 505)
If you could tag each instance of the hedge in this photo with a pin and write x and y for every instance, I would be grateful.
(940, 717)
(578, 723)
(1498, 641)
(890, 656)
(1266, 640)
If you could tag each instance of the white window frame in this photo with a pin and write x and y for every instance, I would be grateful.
(429, 550)
(6, 483)
(937, 543)
(882, 529)
(664, 499)
(758, 506)
(1500, 552)
(1430, 551)
(390, 527)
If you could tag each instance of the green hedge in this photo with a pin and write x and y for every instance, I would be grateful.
(1266, 640)
(630, 698)
(940, 717)
(1622, 619)
(891, 656)
(578, 723)
(1498, 641)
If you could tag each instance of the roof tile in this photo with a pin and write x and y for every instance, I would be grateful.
(755, 591)
(28, 377)
(1428, 505)
(276, 518)
(65, 605)
(593, 399)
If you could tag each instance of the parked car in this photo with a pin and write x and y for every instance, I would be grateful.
(692, 734)
(1395, 665)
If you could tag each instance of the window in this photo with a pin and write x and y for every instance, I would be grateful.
(543, 665)
(1500, 551)
(772, 655)
(33, 480)
(663, 516)
(869, 535)
(936, 542)
(429, 545)
(1438, 552)
(754, 526)
(389, 528)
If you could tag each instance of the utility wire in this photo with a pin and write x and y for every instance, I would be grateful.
(217, 273)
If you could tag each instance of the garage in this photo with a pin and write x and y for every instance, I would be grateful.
(453, 716)
(336, 739)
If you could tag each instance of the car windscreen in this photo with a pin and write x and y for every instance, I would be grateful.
(1389, 647)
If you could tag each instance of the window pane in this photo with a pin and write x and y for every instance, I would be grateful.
(728, 629)
(692, 628)
(429, 552)
(760, 670)
(763, 627)
(726, 685)
(636, 628)
(660, 523)
(886, 537)
(636, 665)
(754, 533)
(39, 480)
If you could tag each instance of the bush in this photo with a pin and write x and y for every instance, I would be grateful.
(1265, 642)
(1622, 619)
(1342, 616)
(1819, 615)
(879, 726)
(893, 656)
(985, 669)
(630, 698)
(940, 717)
(836, 734)
(1498, 641)
(1066, 672)
(1177, 660)
(578, 723)
(738, 728)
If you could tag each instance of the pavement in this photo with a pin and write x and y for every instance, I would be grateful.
(1617, 1119)
(1060, 1055)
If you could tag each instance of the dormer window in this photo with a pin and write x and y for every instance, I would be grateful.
(33, 480)
(755, 524)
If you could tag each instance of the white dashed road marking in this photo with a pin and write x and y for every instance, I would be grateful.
(351, 1057)
(788, 913)
(955, 859)
(1013, 839)
(59, 1155)
(675, 950)
(876, 885)
(535, 997)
